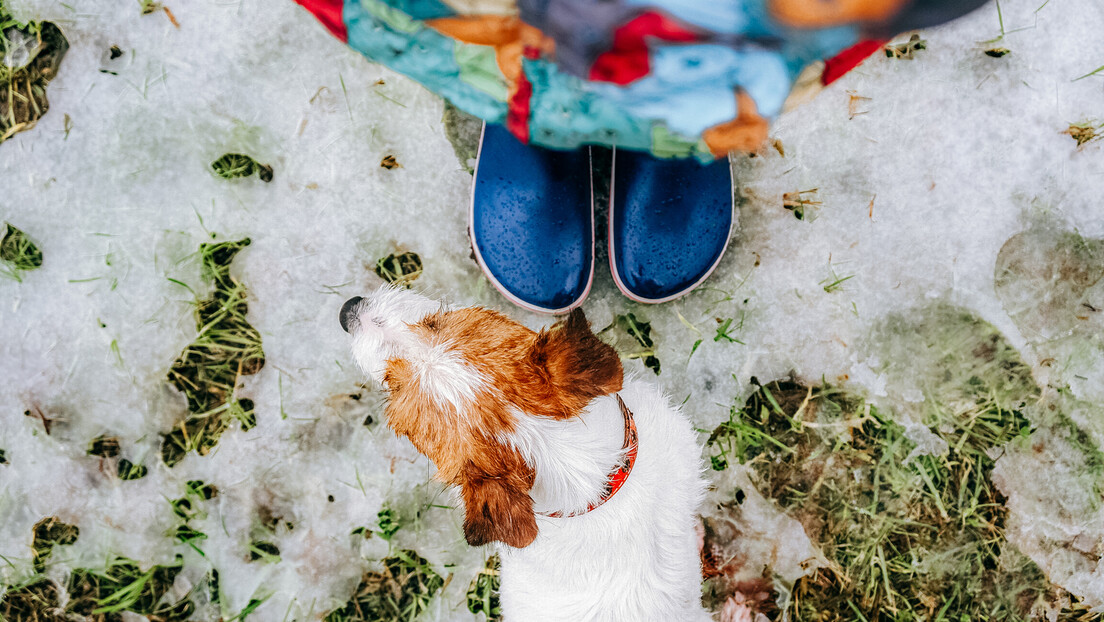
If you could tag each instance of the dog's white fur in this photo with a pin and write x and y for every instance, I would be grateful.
(634, 558)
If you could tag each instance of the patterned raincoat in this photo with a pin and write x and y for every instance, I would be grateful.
(677, 78)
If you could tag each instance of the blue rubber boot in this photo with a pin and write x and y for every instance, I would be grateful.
(532, 222)
(669, 223)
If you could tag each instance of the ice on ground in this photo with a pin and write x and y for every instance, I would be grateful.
(941, 180)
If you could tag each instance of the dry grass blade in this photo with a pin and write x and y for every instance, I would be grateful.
(399, 268)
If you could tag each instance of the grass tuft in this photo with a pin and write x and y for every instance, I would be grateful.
(400, 269)
(35, 51)
(483, 593)
(632, 338)
(399, 592)
(34, 601)
(260, 550)
(104, 447)
(191, 506)
(18, 254)
(49, 532)
(124, 586)
(388, 522)
(1084, 132)
(129, 471)
(237, 166)
(208, 370)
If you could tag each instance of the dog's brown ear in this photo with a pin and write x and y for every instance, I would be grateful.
(497, 505)
(578, 364)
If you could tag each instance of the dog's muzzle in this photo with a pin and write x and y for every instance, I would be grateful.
(348, 316)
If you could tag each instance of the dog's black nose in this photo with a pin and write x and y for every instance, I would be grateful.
(348, 312)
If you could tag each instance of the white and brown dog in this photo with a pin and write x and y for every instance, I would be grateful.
(589, 487)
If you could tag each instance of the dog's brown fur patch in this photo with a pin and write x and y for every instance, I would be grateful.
(554, 373)
(497, 505)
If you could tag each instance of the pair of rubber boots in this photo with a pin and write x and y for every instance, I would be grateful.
(532, 222)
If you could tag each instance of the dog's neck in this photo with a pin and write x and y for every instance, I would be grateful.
(573, 458)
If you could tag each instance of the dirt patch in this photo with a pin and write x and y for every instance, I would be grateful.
(207, 372)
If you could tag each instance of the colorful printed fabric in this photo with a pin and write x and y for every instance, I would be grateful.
(677, 78)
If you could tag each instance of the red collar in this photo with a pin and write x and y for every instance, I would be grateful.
(619, 475)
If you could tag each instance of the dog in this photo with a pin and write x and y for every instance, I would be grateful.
(588, 485)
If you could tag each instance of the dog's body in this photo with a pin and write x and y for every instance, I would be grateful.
(530, 427)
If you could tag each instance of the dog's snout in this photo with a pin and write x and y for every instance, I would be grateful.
(348, 312)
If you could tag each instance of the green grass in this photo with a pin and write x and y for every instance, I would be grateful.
(908, 535)
(388, 523)
(207, 372)
(261, 550)
(237, 166)
(482, 596)
(129, 471)
(192, 506)
(907, 539)
(399, 592)
(18, 254)
(148, 6)
(725, 329)
(632, 338)
(98, 595)
(123, 586)
(834, 282)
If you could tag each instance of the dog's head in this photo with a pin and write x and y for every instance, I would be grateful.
(460, 379)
